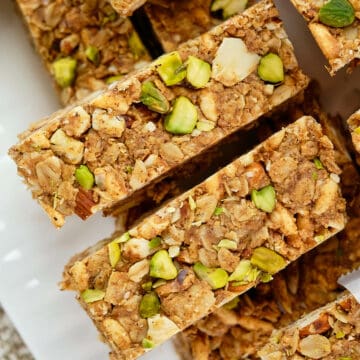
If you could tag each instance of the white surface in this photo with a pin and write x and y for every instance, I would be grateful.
(32, 252)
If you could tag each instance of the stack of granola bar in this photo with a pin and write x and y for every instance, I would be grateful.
(239, 255)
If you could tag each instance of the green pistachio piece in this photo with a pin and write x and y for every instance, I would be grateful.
(215, 277)
(92, 295)
(319, 238)
(271, 68)
(162, 267)
(147, 344)
(267, 260)
(114, 253)
(149, 305)
(183, 117)
(147, 286)
(227, 244)
(318, 164)
(170, 68)
(158, 283)
(340, 334)
(204, 125)
(152, 97)
(346, 358)
(155, 242)
(112, 79)
(241, 271)
(64, 71)
(357, 130)
(234, 7)
(218, 211)
(136, 46)
(93, 54)
(314, 175)
(265, 277)
(232, 304)
(198, 72)
(123, 238)
(337, 13)
(84, 177)
(264, 199)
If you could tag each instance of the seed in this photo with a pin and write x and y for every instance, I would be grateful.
(171, 68)
(152, 97)
(264, 199)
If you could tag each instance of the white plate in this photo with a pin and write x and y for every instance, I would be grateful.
(32, 252)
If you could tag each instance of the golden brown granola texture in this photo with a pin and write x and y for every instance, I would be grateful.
(340, 46)
(329, 333)
(67, 28)
(354, 127)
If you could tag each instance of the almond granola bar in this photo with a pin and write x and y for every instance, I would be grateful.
(84, 44)
(139, 130)
(335, 26)
(176, 21)
(214, 242)
(329, 333)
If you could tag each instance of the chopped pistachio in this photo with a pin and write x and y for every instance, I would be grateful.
(92, 295)
(203, 125)
(267, 260)
(84, 177)
(147, 344)
(264, 199)
(147, 286)
(314, 175)
(265, 277)
(161, 266)
(114, 253)
(318, 164)
(345, 358)
(192, 203)
(64, 71)
(232, 304)
(111, 17)
(170, 68)
(152, 97)
(123, 238)
(183, 117)
(198, 72)
(158, 283)
(136, 46)
(271, 68)
(155, 242)
(218, 211)
(227, 244)
(319, 238)
(149, 305)
(357, 130)
(340, 334)
(337, 13)
(93, 54)
(215, 277)
(112, 79)
(241, 270)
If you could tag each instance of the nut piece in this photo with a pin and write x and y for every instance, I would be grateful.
(84, 177)
(92, 295)
(271, 68)
(116, 333)
(233, 62)
(216, 278)
(337, 13)
(114, 253)
(161, 328)
(92, 53)
(244, 273)
(229, 7)
(170, 68)
(162, 267)
(64, 71)
(67, 147)
(152, 97)
(315, 346)
(76, 122)
(267, 260)
(264, 199)
(149, 305)
(198, 72)
(136, 46)
(183, 117)
(138, 270)
(110, 125)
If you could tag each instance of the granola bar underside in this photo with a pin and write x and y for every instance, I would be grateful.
(125, 145)
(309, 209)
(341, 46)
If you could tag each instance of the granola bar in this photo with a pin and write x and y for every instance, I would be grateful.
(83, 44)
(214, 242)
(176, 21)
(330, 333)
(126, 7)
(354, 126)
(336, 30)
(119, 140)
